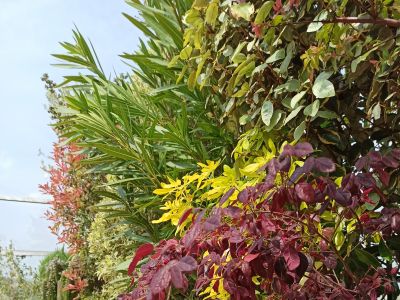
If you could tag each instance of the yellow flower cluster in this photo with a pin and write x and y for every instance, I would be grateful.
(203, 189)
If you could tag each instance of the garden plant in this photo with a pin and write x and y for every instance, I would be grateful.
(251, 153)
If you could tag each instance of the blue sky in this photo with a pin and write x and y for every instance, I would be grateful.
(29, 32)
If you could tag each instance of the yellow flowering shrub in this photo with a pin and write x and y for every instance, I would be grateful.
(205, 187)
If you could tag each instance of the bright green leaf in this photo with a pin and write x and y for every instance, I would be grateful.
(339, 239)
(244, 119)
(212, 13)
(263, 12)
(200, 3)
(242, 10)
(186, 52)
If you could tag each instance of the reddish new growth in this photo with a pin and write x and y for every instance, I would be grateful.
(266, 243)
(66, 193)
(77, 284)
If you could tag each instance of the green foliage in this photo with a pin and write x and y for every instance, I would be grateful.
(139, 129)
(17, 280)
(109, 248)
(51, 278)
(300, 69)
(207, 73)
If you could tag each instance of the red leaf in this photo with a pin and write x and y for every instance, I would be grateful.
(278, 201)
(383, 176)
(303, 149)
(305, 191)
(324, 165)
(161, 280)
(396, 153)
(250, 257)
(177, 278)
(257, 30)
(278, 6)
(233, 211)
(141, 252)
(185, 215)
(288, 150)
(292, 258)
(342, 197)
(395, 222)
(390, 161)
(211, 223)
(361, 163)
(191, 235)
(187, 264)
(244, 196)
(394, 271)
(266, 225)
(226, 196)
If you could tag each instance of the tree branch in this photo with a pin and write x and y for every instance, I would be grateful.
(348, 20)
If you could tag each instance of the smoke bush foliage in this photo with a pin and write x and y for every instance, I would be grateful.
(297, 235)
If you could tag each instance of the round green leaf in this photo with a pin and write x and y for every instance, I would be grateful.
(323, 88)
(267, 111)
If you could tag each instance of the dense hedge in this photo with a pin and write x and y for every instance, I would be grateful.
(252, 151)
